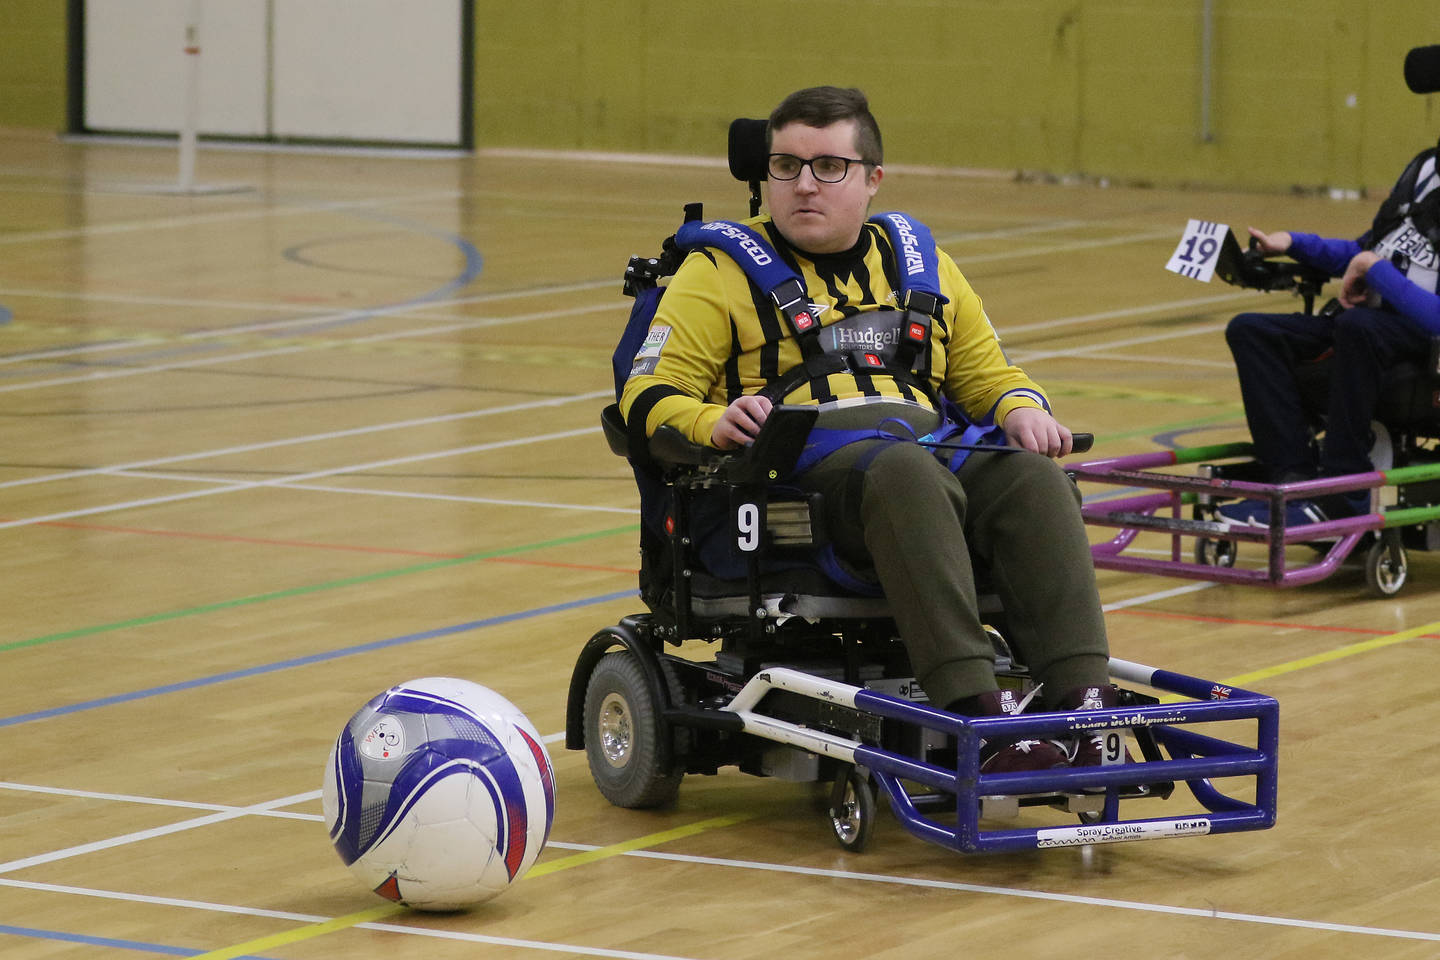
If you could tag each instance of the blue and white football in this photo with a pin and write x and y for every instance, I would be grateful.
(439, 794)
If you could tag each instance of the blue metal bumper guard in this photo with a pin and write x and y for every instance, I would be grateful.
(1196, 758)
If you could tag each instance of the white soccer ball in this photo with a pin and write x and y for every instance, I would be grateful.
(439, 794)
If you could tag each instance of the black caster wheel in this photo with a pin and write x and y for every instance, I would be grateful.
(1215, 553)
(852, 809)
(1386, 566)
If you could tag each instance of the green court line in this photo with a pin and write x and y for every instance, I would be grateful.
(313, 588)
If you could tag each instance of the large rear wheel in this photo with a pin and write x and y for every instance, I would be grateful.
(624, 734)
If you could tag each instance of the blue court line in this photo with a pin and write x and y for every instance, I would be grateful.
(37, 934)
(474, 263)
(310, 659)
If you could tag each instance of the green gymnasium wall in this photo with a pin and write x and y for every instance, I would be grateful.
(1303, 94)
(32, 64)
(1103, 88)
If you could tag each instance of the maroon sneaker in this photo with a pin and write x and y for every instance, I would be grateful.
(1101, 746)
(1019, 756)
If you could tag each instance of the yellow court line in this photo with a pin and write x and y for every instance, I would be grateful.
(539, 870)
(639, 843)
(304, 933)
(1245, 680)
(1363, 646)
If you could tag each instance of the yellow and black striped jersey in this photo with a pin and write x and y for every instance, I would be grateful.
(715, 337)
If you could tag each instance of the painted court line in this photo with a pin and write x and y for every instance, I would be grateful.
(321, 344)
(113, 943)
(304, 933)
(323, 314)
(1032, 355)
(1205, 913)
(314, 438)
(407, 930)
(365, 918)
(84, 848)
(225, 216)
(1069, 247)
(312, 588)
(1251, 622)
(1139, 311)
(322, 657)
(1330, 656)
(411, 307)
(819, 872)
(370, 491)
(238, 486)
(266, 810)
(1177, 361)
(321, 926)
(1159, 595)
(639, 843)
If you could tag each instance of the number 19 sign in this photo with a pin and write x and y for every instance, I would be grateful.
(1199, 250)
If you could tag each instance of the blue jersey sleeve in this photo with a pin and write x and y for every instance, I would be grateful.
(1419, 305)
(1329, 255)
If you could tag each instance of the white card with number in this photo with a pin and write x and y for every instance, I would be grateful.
(1199, 250)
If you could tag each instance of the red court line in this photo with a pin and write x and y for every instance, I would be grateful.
(1160, 614)
(232, 538)
(569, 566)
(311, 545)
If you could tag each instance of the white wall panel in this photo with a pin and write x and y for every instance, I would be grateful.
(135, 65)
(368, 70)
(346, 70)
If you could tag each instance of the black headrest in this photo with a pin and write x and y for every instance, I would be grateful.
(1422, 70)
(747, 149)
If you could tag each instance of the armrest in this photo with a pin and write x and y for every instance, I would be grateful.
(776, 448)
(1251, 270)
(669, 445)
(666, 446)
(772, 455)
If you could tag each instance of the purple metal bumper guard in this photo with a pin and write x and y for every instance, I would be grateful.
(1142, 512)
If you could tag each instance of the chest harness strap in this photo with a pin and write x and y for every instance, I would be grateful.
(919, 297)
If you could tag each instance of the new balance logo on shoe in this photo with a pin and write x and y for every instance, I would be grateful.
(1020, 755)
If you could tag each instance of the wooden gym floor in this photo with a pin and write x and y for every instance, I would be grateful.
(269, 452)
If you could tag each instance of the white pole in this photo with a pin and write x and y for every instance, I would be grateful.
(1207, 51)
(192, 97)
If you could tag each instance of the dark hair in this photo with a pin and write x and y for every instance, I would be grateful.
(822, 106)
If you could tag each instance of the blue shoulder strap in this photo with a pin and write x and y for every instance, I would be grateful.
(914, 249)
(761, 264)
(919, 267)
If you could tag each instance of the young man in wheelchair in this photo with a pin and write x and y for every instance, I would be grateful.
(720, 355)
(1387, 312)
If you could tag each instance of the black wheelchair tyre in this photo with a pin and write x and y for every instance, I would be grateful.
(1386, 569)
(852, 809)
(623, 736)
(1214, 553)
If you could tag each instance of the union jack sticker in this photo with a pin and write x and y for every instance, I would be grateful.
(1218, 692)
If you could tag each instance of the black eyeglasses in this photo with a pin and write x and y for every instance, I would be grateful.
(786, 166)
